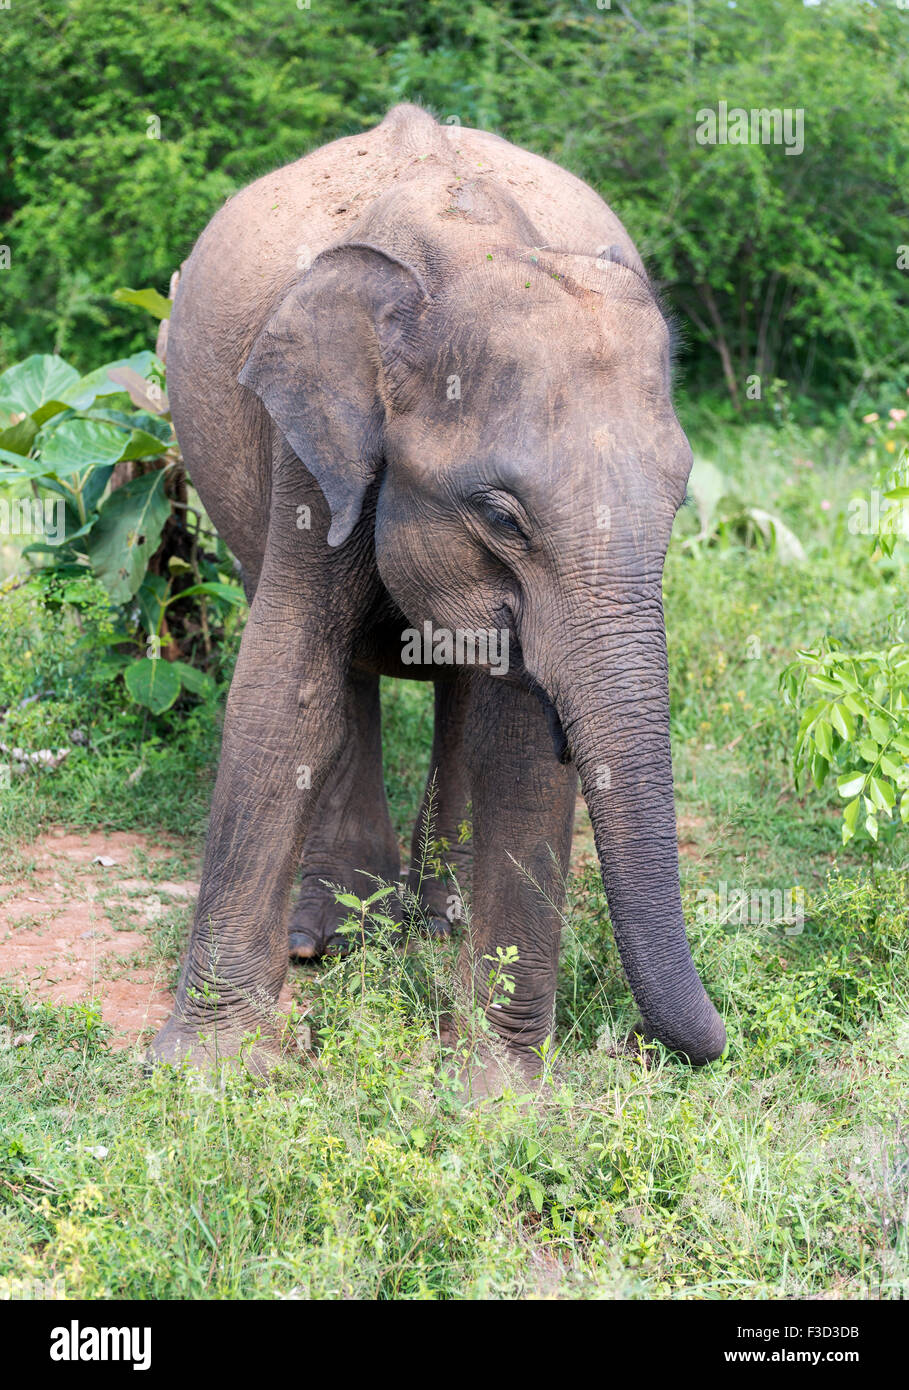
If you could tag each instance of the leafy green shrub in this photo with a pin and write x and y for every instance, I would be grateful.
(857, 723)
(885, 515)
(72, 747)
(78, 1025)
(127, 127)
(64, 449)
(52, 629)
(858, 726)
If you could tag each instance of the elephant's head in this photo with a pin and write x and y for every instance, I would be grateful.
(533, 464)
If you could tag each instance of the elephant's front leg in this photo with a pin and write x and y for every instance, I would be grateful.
(285, 725)
(523, 813)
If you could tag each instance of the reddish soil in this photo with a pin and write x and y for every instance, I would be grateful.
(79, 930)
(76, 930)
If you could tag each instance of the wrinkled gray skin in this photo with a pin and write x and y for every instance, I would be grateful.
(316, 331)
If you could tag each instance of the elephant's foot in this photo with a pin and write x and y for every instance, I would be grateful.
(493, 1071)
(209, 1046)
(317, 915)
(440, 902)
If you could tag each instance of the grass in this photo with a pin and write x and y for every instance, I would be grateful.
(780, 1172)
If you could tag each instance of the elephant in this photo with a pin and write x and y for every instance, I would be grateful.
(422, 384)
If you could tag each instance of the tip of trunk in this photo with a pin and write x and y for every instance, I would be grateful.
(702, 1041)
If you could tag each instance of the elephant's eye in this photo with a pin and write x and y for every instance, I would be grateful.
(503, 520)
(494, 514)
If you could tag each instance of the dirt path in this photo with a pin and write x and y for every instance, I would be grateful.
(80, 926)
(99, 916)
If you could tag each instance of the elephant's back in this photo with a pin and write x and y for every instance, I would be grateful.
(566, 211)
(263, 238)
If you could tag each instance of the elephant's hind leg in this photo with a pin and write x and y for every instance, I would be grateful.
(439, 862)
(351, 836)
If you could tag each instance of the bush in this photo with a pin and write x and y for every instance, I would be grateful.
(857, 723)
(69, 440)
(227, 92)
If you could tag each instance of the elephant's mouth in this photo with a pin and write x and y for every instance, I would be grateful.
(554, 723)
(519, 674)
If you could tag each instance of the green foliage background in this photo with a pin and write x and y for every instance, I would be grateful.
(784, 265)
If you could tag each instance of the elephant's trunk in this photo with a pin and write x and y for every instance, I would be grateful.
(610, 689)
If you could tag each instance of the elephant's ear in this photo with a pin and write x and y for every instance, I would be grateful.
(327, 365)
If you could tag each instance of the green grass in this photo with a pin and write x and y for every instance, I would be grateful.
(780, 1172)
